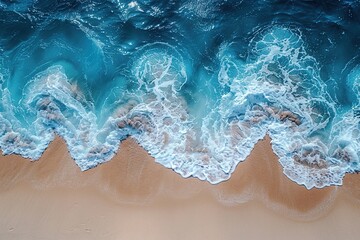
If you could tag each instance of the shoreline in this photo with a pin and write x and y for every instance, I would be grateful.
(132, 186)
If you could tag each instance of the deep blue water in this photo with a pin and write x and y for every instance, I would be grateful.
(197, 83)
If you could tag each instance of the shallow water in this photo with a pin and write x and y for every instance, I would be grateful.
(196, 83)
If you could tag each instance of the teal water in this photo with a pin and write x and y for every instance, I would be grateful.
(196, 83)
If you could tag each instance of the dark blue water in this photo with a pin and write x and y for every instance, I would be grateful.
(197, 83)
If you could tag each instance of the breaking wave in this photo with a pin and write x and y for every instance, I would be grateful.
(186, 81)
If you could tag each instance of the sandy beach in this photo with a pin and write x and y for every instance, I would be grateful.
(133, 197)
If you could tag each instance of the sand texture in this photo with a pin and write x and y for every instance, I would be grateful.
(133, 197)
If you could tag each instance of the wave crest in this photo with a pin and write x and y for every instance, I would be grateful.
(277, 90)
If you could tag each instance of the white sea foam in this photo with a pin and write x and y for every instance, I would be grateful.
(277, 91)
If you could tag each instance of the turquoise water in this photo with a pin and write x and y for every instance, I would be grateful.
(196, 83)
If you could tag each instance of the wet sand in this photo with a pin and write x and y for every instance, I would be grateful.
(133, 197)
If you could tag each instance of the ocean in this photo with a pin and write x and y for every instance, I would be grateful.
(197, 83)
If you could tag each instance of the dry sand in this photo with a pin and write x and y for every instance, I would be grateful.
(133, 197)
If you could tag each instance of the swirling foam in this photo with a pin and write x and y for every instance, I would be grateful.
(276, 90)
